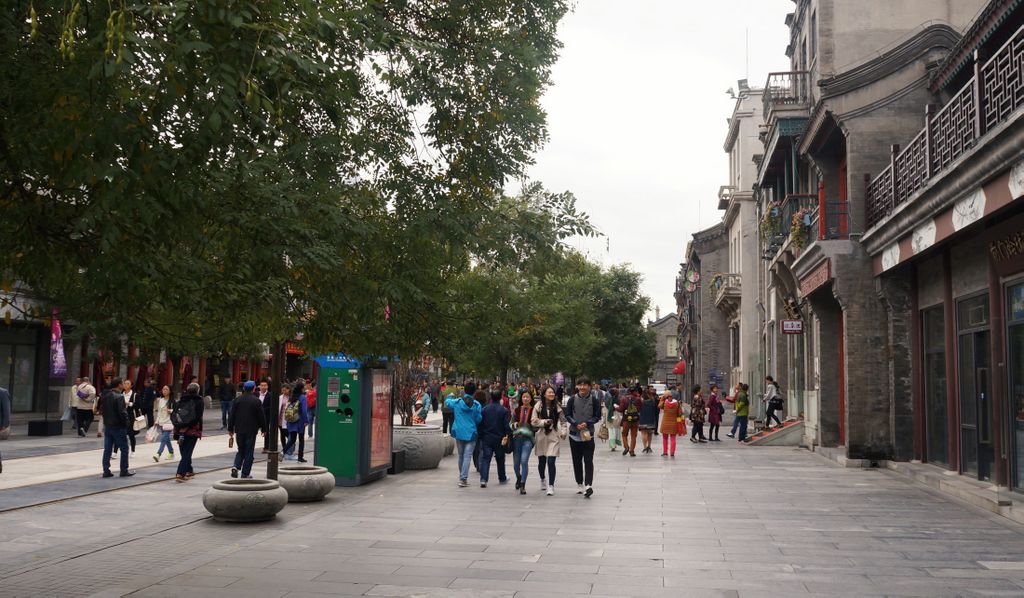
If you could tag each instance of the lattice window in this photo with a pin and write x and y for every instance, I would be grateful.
(879, 198)
(1003, 81)
(953, 128)
(910, 169)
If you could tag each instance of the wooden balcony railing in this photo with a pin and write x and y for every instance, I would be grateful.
(790, 88)
(992, 95)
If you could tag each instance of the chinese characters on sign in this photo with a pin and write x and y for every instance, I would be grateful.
(792, 326)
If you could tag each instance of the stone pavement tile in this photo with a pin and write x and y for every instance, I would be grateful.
(168, 591)
(538, 586)
(215, 570)
(737, 584)
(423, 592)
(356, 575)
(201, 581)
(503, 557)
(928, 583)
(527, 567)
(632, 581)
(976, 573)
(323, 562)
(420, 546)
(424, 560)
(285, 585)
(415, 570)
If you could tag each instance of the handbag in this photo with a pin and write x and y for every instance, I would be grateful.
(506, 444)
(69, 414)
(586, 436)
(602, 432)
(681, 426)
(140, 423)
(167, 427)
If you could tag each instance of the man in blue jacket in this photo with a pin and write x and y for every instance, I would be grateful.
(467, 415)
(583, 411)
(494, 427)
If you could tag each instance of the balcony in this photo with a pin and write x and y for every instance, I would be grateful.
(991, 97)
(727, 292)
(802, 219)
(786, 92)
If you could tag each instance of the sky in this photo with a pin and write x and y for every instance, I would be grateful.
(637, 120)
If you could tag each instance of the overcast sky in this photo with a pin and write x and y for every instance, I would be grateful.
(637, 119)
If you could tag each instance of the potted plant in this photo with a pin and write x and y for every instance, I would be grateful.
(245, 500)
(424, 444)
(799, 228)
(770, 223)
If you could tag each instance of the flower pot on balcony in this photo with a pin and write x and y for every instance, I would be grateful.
(244, 501)
(305, 483)
(424, 446)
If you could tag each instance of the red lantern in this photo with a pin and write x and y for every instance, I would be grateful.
(680, 369)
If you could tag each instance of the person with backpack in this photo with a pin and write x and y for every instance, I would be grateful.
(583, 412)
(117, 421)
(715, 412)
(162, 418)
(311, 406)
(296, 416)
(773, 402)
(630, 406)
(245, 421)
(466, 415)
(187, 419)
(672, 411)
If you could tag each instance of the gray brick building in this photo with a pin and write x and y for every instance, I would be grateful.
(704, 330)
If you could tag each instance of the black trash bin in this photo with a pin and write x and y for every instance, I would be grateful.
(397, 462)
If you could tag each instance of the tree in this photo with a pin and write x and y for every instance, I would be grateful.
(206, 175)
(625, 347)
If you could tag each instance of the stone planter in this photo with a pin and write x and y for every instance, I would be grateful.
(424, 445)
(239, 500)
(449, 446)
(305, 483)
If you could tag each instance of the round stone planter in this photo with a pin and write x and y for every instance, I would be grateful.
(449, 446)
(245, 501)
(305, 483)
(424, 445)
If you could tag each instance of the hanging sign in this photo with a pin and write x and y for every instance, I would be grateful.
(58, 363)
(792, 326)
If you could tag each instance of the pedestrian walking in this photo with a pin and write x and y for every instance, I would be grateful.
(613, 419)
(466, 414)
(773, 403)
(648, 418)
(245, 421)
(282, 426)
(495, 435)
(551, 427)
(147, 401)
(117, 422)
(630, 405)
(583, 413)
(5, 418)
(522, 439)
(672, 411)
(697, 409)
(86, 405)
(742, 411)
(447, 416)
(296, 416)
(226, 394)
(732, 399)
(187, 419)
(271, 407)
(715, 412)
(162, 419)
(311, 406)
(131, 404)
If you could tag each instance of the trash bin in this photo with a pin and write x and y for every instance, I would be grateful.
(397, 462)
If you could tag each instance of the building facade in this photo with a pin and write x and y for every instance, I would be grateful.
(703, 328)
(666, 331)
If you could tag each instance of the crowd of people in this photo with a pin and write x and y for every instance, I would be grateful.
(522, 419)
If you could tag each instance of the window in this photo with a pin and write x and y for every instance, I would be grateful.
(672, 346)
(813, 34)
(1015, 393)
(936, 405)
(734, 346)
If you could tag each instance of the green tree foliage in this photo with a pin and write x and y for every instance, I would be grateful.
(208, 174)
(625, 347)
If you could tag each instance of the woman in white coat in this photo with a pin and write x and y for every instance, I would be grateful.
(549, 421)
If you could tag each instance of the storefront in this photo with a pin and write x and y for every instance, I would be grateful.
(24, 351)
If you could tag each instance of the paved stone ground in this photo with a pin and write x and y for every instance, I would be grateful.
(719, 520)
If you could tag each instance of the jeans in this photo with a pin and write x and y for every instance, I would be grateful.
(735, 425)
(165, 441)
(115, 437)
(188, 444)
(485, 463)
(289, 447)
(583, 461)
(246, 444)
(225, 409)
(312, 420)
(466, 448)
(742, 419)
(521, 449)
(549, 463)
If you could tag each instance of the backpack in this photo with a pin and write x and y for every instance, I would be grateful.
(184, 414)
(292, 412)
(632, 413)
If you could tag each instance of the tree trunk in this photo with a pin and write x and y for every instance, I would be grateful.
(275, 391)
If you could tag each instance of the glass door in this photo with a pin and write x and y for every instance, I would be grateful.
(977, 454)
(1015, 385)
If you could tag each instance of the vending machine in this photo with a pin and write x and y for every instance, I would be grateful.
(353, 423)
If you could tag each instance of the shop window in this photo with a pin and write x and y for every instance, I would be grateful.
(734, 343)
(1015, 371)
(18, 375)
(936, 403)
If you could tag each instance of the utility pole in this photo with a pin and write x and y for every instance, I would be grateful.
(277, 369)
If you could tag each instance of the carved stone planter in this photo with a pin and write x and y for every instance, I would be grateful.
(305, 483)
(449, 446)
(424, 445)
(239, 500)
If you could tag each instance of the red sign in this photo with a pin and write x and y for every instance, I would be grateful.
(816, 278)
(293, 349)
(792, 327)
(380, 420)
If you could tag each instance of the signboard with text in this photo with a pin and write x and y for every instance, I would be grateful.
(792, 327)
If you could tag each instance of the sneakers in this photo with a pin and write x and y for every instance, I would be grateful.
(483, 484)
(156, 458)
(234, 472)
(543, 485)
(81, 432)
(179, 478)
(551, 490)
(463, 484)
(579, 488)
(731, 435)
(170, 456)
(589, 492)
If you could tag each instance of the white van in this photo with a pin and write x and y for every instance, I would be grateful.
(659, 388)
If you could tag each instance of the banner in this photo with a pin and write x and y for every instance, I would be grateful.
(58, 364)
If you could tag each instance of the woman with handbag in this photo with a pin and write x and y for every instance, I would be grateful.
(134, 413)
(648, 418)
(672, 412)
(162, 415)
(773, 402)
(548, 420)
(522, 438)
(715, 412)
(697, 408)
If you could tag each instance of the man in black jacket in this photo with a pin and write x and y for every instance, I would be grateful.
(245, 420)
(115, 422)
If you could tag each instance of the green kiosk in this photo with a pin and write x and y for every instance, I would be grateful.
(353, 423)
